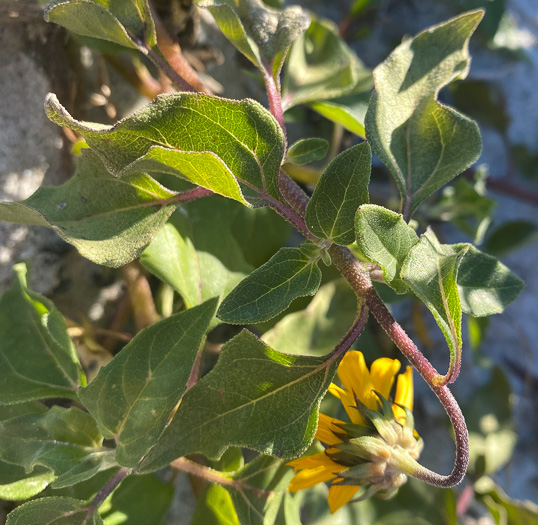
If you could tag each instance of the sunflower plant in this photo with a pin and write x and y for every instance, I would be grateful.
(199, 192)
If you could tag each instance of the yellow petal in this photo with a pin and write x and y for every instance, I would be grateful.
(309, 477)
(327, 426)
(348, 402)
(339, 495)
(382, 373)
(404, 393)
(355, 377)
(314, 461)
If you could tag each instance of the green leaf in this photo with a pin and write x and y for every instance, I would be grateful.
(466, 207)
(37, 357)
(266, 474)
(215, 507)
(423, 143)
(254, 397)
(383, 237)
(430, 270)
(53, 511)
(511, 236)
(262, 34)
(505, 510)
(196, 252)
(320, 66)
(485, 285)
(491, 430)
(109, 220)
(342, 188)
(139, 500)
(128, 24)
(349, 111)
(58, 440)
(270, 289)
(133, 396)
(17, 485)
(210, 141)
(307, 150)
(318, 328)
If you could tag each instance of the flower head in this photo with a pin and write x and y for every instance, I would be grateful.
(377, 447)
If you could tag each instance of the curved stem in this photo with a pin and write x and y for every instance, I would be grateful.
(352, 334)
(214, 476)
(103, 494)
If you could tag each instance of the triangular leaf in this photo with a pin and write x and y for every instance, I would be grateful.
(342, 188)
(430, 270)
(109, 220)
(133, 397)
(128, 24)
(212, 142)
(384, 238)
(37, 357)
(270, 289)
(277, 394)
(53, 511)
(423, 143)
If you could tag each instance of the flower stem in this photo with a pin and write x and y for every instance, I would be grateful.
(275, 102)
(214, 476)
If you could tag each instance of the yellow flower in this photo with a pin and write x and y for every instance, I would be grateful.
(377, 448)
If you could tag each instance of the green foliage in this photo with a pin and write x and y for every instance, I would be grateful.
(254, 397)
(220, 144)
(109, 220)
(343, 187)
(38, 359)
(424, 143)
(124, 393)
(192, 185)
(57, 511)
(269, 290)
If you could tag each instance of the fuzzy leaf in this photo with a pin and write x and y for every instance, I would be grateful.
(342, 188)
(321, 66)
(270, 289)
(58, 440)
(213, 142)
(109, 220)
(196, 253)
(423, 143)
(128, 24)
(307, 150)
(53, 511)
(254, 397)
(17, 485)
(430, 270)
(485, 285)
(262, 34)
(384, 238)
(37, 357)
(133, 397)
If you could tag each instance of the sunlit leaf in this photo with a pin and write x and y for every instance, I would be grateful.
(423, 143)
(269, 290)
(342, 188)
(321, 66)
(213, 142)
(109, 220)
(254, 397)
(385, 238)
(133, 397)
(215, 507)
(37, 357)
(16, 484)
(128, 24)
(53, 511)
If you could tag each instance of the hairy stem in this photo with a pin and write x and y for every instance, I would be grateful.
(214, 476)
(275, 102)
(177, 80)
(103, 494)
